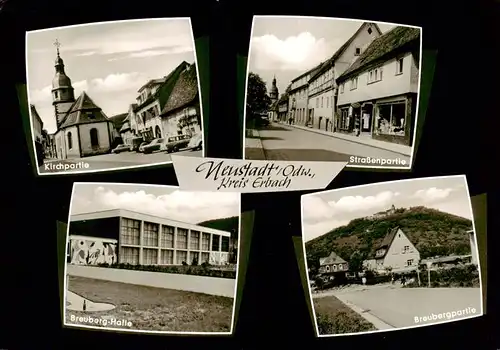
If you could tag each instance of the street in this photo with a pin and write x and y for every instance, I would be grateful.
(398, 307)
(113, 161)
(282, 142)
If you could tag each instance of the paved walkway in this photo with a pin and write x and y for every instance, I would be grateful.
(393, 307)
(285, 143)
(116, 161)
(75, 302)
(396, 148)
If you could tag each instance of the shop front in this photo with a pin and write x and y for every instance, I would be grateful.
(389, 120)
(394, 119)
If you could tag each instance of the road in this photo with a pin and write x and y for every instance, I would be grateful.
(288, 143)
(113, 161)
(398, 307)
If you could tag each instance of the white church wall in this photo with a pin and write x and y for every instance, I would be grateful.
(60, 146)
(74, 150)
(103, 137)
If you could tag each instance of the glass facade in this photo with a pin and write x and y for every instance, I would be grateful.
(149, 243)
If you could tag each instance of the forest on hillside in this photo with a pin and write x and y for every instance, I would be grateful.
(230, 224)
(434, 233)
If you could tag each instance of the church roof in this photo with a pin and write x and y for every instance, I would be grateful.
(184, 92)
(78, 113)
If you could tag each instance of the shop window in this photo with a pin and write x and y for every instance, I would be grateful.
(344, 119)
(391, 119)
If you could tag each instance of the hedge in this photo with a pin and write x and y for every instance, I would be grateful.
(460, 276)
(199, 270)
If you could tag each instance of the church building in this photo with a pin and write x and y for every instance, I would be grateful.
(82, 127)
(273, 95)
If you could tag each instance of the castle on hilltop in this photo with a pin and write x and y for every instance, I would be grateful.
(383, 214)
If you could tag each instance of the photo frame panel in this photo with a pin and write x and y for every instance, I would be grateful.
(244, 226)
(478, 208)
(276, 134)
(166, 91)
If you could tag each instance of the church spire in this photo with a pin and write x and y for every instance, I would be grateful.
(274, 94)
(62, 89)
(57, 44)
(59, 65)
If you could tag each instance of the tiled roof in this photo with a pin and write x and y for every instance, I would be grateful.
(125, 126)
(389, 237)
(393, 40)
(307, 72)
(76, 114)
(341, 50)
(152, 82)
(283, 99)
(165, 88)
(184, 92)
(331, 259)
(119, 119)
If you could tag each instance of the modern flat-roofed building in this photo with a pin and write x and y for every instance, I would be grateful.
(142, 239)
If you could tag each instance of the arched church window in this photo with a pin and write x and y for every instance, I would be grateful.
(70, 140)
(158, 132)
(94, 137)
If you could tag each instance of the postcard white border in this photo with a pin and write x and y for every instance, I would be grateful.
(124, 168)
(481, 313)
(353, 167)
(123, 330)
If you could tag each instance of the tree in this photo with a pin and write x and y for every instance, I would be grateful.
(257, 99)
(356, 262)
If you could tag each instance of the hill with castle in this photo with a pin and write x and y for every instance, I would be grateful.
(433, 232)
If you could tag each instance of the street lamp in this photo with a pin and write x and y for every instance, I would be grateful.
(429, 264)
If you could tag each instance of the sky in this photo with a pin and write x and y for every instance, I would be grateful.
(285, 47)
(328, 210)
(162, 201)
(110, 60)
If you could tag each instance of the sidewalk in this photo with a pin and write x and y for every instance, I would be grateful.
(401, 149)
(253, 142)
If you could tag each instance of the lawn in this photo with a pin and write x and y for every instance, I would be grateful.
(334, 317)
(155, 309)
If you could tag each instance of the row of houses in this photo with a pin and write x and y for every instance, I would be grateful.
(168, 106)
(367, 88)
(396, 253)
(164, 107)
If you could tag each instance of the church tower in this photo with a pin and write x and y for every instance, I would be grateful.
(62, 91)
(274, 94)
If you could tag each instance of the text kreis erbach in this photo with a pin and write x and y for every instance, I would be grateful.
(269, 175)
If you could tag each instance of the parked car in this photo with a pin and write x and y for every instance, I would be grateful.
(176, 143)
(155, 145)
(196, 142)
(142, 145)
(135, 143)
(121, 148)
